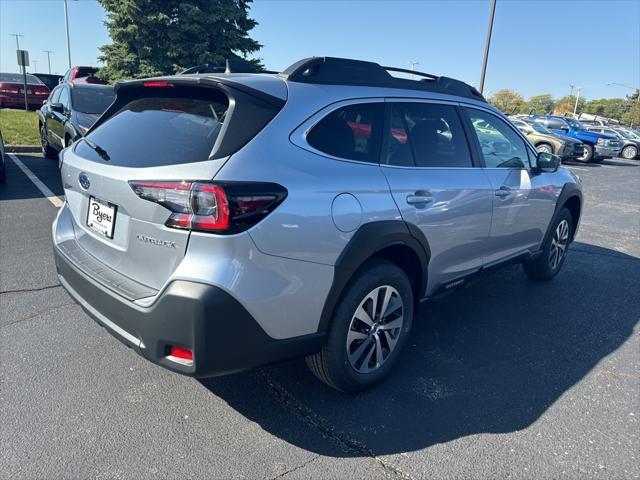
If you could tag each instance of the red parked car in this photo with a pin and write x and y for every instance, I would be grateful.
(82, 74)
(12, 91)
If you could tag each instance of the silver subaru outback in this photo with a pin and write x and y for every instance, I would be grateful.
(217, 222)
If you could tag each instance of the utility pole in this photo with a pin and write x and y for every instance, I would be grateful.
(413, 64)
(571, 92)
(48, 52)
(575, 109)
(492, 10)
(66, 25)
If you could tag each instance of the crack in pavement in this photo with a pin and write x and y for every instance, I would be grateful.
(42, 312)
(291, 470)
(27, 290)
(341, 439)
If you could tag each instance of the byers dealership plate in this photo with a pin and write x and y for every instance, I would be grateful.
(101, 217)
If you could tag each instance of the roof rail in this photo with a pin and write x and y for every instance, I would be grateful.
(344, 71)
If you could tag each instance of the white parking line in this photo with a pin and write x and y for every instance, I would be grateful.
(579, 168)
(48, 194)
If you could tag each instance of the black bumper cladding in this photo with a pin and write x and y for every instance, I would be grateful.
(223, 336)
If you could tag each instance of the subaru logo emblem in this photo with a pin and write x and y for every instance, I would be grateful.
(83, 179)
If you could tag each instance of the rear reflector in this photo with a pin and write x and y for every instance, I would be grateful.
(180, 355)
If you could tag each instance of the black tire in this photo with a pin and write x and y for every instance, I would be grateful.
(47, 150)
(544, 267)
(587, 155)
(629, 152)
(332, 364)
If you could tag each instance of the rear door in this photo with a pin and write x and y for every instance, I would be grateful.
(437, 188)
(57, 119)
(161, 139)
(522, 203)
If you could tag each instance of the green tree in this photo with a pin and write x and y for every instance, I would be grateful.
(152, 37)
(540, 104)
(565, 105)
(508, 101)
(607, 107)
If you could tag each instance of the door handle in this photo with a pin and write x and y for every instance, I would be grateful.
(419, 199)
(503, 191)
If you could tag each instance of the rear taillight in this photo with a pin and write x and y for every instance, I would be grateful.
(4, 88)
(212, 207)
(157, 84)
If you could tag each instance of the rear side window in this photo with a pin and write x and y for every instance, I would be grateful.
(353, 132)
(156, 131)
(427, 135)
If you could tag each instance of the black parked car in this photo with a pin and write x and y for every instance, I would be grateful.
(49, 79)
(69, 112)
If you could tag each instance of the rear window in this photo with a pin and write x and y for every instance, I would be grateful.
(17, 78)
(91, 100)
(156, 131)
(353, 132)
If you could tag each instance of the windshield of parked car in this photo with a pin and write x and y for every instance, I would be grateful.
(629, 134)
(91, 100)
(17, 78)
(539, 128)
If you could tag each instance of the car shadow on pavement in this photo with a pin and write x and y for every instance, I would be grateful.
(490, 358)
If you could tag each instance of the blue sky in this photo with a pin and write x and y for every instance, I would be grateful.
(537, 46)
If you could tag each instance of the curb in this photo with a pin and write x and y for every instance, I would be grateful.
(22, 148)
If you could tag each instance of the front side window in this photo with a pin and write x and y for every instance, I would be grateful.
(64, 97)
(353, 132)
(500, 145)
(55, 95)
(426, 135)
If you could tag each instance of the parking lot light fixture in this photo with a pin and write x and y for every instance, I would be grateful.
(487, 44)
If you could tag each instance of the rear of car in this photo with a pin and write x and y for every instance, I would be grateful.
(12, 91)
(150, 244)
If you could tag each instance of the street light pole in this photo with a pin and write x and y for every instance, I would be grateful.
(492, 11)
(413, 64)
(575, 109)
(17, 35)
(571, 92)
(66, 25)
(35, 66)
(48, 52)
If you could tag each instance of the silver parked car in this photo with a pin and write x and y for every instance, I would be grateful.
(220, 221)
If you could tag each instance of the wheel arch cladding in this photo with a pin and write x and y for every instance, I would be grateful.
(571, 198)
(394, 240)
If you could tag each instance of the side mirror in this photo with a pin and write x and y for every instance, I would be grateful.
(57, 107)
(45, 101)
(547, 162)
(564, 129)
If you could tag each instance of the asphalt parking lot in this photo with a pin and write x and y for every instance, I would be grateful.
(506, 378)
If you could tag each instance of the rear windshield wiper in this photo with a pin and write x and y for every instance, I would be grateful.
(98, 149)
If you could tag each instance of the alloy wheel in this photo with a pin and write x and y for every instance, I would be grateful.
(629, 153)
(544, 149)
(559, 244)
(375, 329)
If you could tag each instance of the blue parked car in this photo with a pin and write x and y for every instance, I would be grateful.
(597, 146)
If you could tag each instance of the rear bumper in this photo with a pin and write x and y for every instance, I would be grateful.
(223, 336)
